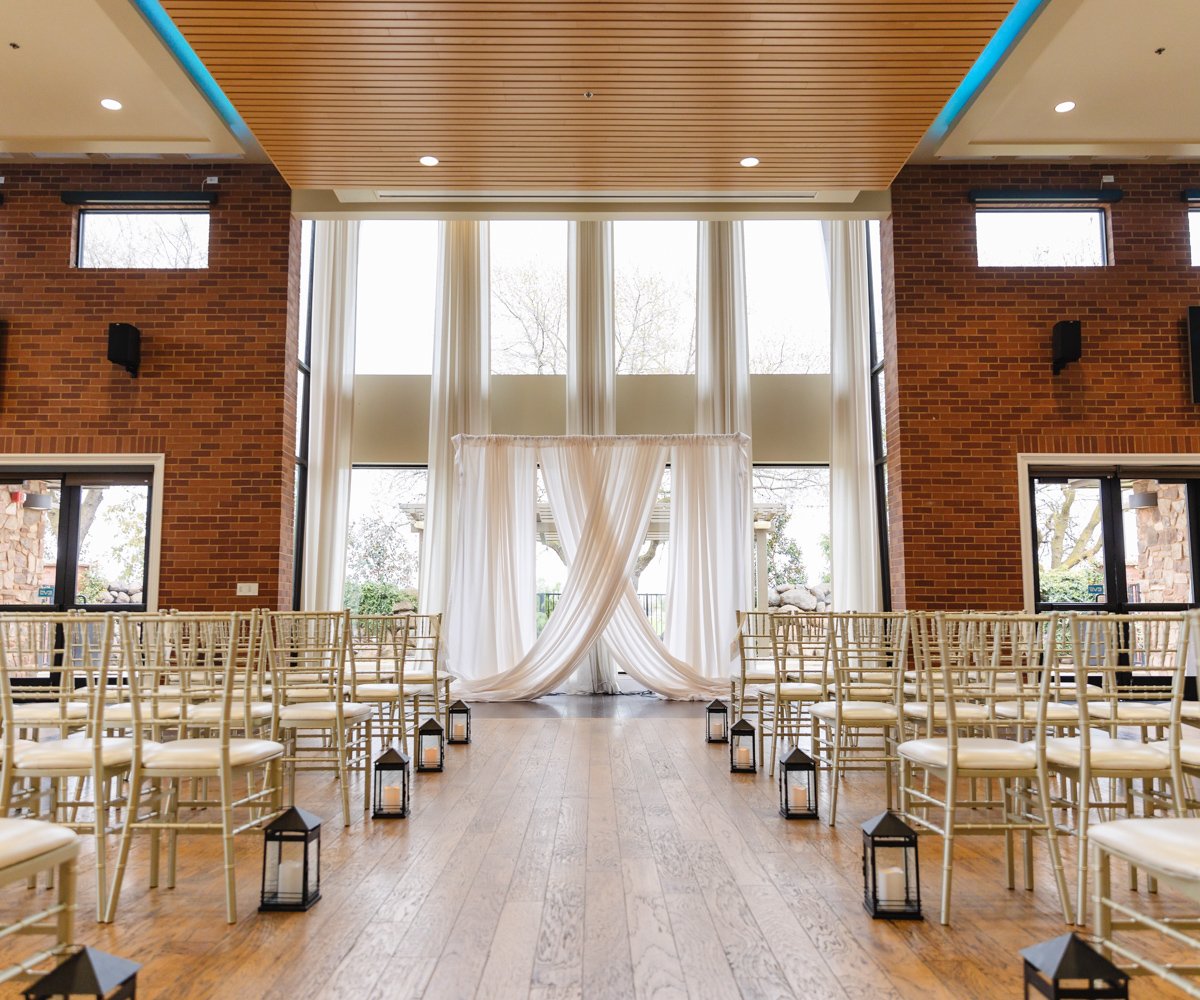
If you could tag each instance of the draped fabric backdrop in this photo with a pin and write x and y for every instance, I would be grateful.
(602, 491)
(854, 531)
(458, 396)
(331, 413)
(591, 367)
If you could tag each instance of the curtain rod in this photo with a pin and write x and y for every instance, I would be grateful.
(540, 439)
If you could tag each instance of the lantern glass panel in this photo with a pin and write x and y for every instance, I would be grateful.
(460, 723)
(799, 792)
(892, 878)
(742, 752)
(430, 744)
(391, 790)
(718, 722)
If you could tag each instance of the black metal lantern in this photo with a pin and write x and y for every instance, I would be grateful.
(797, 786)
(460, 723)
(88, 973)
(291, 877)
(716, 729)
(391, 791)
(431, 746)
(1067, 968)
(891, 875)
(741, 748)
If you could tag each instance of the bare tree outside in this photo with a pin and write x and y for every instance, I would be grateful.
(143, 239)
(1070, 540)
(529, 320)
(382, 550)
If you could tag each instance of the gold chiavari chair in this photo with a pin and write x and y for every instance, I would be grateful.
(984, 660)
(800, 646)
(62, 653)
(378, 644)
(320, 729)
(170, 783)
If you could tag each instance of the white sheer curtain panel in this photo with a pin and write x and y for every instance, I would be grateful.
(602, 491)
(591, 367)
(494, 557)
(854, 534)
(708, 579)
(722, 351)
(458, 396)
(331, 413)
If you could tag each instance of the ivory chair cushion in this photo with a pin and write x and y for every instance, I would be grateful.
(1168, 846)
(1055, 712)
(1107, 754)
(212, 711)
(18, 746)
(975, 753)
(123, 712)
(24, 839)
(205, 754)
(1189, 751)
(48, 713)
(321, 713)
(791, 691)
(857, 713)
(73, 754)
(1190, 710)
(377, 692)
(1130, 711)
(963, 712)
(412, 677)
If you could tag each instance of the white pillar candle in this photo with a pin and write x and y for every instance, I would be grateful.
(889, 886)
(430, 756)
(743, 756)
(797, 798)
(718, 728)
(291, 878)
(460, 730)
(391, 797)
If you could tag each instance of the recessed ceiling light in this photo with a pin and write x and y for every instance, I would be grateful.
(110, 104)
(429, 161)
(1064, 106)
(749, 161)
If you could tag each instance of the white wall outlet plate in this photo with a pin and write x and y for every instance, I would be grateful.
(247, 590)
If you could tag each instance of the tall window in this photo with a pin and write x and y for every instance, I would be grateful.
(787, 298)
(397, 296)
(794, 499)
(529, 298)
(1060, 237)
(303, 376)
(383, 546)
(655, 297)
(879, 405)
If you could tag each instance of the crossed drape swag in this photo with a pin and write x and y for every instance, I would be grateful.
(602, 491)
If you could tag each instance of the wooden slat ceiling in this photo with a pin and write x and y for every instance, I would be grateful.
(349, 94)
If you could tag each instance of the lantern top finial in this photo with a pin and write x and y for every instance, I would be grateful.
(89, 971)
(887, 824)
(295, 820)
(430, 725)
(717, 705)
(393, 756)
(459, 706)
(797, 759)
(1070, 957)
(741, 726)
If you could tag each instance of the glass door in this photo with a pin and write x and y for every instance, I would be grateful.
(1112, 540)
(74, 539)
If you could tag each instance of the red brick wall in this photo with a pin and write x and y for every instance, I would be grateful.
(968, 366)
(216, 391)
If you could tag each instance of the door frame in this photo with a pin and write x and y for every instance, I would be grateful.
(154, 461)
(1028, 460)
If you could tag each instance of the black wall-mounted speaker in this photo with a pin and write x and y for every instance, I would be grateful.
(125, 346)
(1067, 343)
(1194, 350)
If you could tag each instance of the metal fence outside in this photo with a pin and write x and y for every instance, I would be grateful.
(654, 606)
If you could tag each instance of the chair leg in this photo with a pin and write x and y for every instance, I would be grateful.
(1006, 816)
(1101, 891)
(65, 923)
(100, 831)
(131, 812)
(226, 785)
(343, 776)
(835, 773)
(948, 848)
(1081, 831)
(1060, 879)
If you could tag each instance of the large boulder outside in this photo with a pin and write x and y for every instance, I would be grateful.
(773, 600)
(802, 598)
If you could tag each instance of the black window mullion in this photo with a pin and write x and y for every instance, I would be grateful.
(1112, 530)
(66, 577)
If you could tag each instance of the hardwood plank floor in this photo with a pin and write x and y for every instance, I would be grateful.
(591, 848)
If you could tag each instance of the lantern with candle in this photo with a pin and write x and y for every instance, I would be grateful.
(797, 786)
(891, 877)
(460, 723)
(291, 878)
(717, 722)
(88, 973)
(741, 748)
(431, 746)
(391, 785)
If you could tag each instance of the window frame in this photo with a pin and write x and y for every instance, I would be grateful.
(303, 367)
(1053, 208)
(81, 235)
(875, 385)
